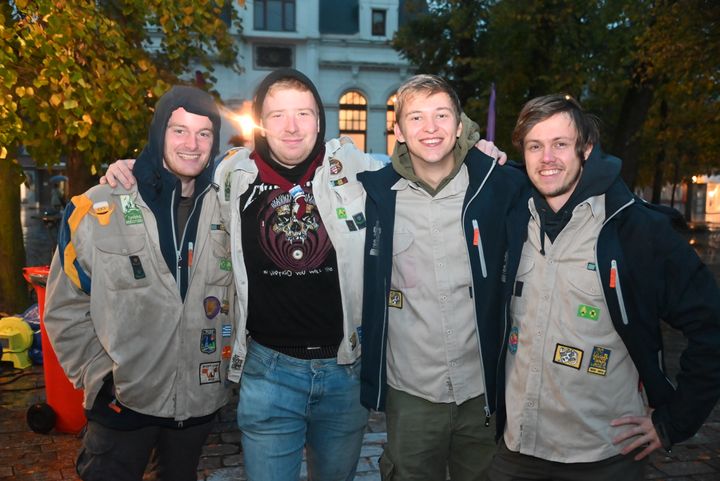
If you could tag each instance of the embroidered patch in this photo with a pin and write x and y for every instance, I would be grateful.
(599, 361)
(341, 213)
(513, 340)
(131, 212)
(212, 306)
(207, 341)
(236, 363)
(228, 183)
(225, 307)
(351, 225)
(102, 212)
(591, 266)
(588, 312)
(335, 166)
(225, 264)
(568, 356)
(226, 330)
(137, 267)
(518, 288)
(220, 227)
(359, 219)
(395, 299)
(209, 372)
(226, 352)
(339, 182)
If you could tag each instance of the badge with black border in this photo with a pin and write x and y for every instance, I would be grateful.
(395, 299)
(209, 372)
(599, 359)
(568, 356)
(208, 343)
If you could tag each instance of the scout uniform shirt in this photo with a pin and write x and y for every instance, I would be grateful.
(568, 372)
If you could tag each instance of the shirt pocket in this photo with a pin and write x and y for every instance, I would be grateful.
(220, 268)
(125, 263)
(404, 270)
(585, 304)
(520, 295)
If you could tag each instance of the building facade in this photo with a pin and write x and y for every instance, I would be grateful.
(342, 45)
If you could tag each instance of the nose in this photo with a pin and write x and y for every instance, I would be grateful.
(291, 124)
(547, 153)
(191, 142)
(430, 125)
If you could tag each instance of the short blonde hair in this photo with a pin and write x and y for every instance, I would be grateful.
(429, 85)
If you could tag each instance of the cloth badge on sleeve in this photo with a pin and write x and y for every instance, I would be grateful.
(102, 212)
(359, 219)
(137, 267)
(226, 352)
(568, 356)
(591, 266)
(212, 306)
(236, 363)
(339, 182)
(395, 299)
(335, 166)
(225, 264)
(225, 306)
(513, 340)
(351, 225)
(599, 361)
(208, 344)
(341, 213)
(131, 212)
(588, 312)
(226, 330)
(353, 340)
(209, 372)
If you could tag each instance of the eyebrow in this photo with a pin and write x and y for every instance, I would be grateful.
(304, 109)
(436, 110)
(170, 125)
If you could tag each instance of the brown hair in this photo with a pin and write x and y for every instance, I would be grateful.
(428, 84)
(542, 108)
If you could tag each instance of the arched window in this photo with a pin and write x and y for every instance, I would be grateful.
(390, 124)
(353, 117)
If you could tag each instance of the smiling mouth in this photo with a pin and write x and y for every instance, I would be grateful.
(186, 156)
(431, 142)
(549, 172)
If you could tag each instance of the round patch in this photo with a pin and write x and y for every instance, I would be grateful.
(335, 166)
(297, 254)
(212, 306)
(513, 340)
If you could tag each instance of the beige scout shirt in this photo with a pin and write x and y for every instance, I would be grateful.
(433, 350)
(568, 372)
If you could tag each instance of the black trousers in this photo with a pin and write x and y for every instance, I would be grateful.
(114, 455)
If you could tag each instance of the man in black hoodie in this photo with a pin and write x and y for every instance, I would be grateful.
(140, 301)
(595, 269)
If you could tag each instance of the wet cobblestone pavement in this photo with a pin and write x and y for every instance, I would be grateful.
(25, 455)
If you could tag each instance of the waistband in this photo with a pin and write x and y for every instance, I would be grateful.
(305, 352)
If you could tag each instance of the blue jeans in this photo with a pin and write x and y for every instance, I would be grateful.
(287, 404)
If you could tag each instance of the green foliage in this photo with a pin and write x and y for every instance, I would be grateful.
(620, 58)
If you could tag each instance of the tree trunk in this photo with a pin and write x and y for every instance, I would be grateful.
(626, 143)
(79, 177)
(13, 288)
(659, 177)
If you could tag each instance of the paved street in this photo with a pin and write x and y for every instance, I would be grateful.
(25, 455)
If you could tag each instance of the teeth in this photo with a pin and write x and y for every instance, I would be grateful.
(550, 172)
(431, 142)
(188, 156)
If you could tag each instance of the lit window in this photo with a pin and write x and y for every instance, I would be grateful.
(378, 22)
(275, 15)
(353, 117)
(390, 124)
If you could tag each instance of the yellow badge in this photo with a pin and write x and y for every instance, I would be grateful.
(568, 356)
(599, 361)
(395, 299)
(102, 211)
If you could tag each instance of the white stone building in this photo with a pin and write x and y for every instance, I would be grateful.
(342, 45)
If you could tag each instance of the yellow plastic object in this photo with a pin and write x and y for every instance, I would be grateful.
(16, 337)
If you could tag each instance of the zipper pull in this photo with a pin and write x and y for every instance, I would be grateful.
(613, 274)
(113, 405)
(487, 416)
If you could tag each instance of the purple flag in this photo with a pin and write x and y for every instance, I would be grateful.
(491, 115)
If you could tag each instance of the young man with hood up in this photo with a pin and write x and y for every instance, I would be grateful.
(140, 301)
(433, 324)
(593, 269)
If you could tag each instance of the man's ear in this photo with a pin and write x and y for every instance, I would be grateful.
(398, 132)
(586, 154)
(459, 129)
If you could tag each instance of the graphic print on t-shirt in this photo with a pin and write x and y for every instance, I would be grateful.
(288, 242)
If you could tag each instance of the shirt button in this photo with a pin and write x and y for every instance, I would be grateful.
(443, 298)
(535, 369)
(449, 331)
(441, 265)
(453, 363)
(530, 404)
(539, 333)
(546, 297)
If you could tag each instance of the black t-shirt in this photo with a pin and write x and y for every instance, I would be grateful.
(294, 290)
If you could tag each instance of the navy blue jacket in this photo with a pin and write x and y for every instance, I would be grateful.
(492, 192)
(658, 276)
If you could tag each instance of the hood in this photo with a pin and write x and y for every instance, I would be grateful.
(261, 145)
(149, 169)
(402, 164)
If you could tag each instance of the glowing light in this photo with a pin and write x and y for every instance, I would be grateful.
(694, 179)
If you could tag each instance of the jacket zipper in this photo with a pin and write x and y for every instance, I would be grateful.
(483, 267)
(178, 249)
(615, 284)
(382, 346)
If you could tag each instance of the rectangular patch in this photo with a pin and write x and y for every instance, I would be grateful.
(339, 182)
(341, 213)
(568, 356)
(588, 312)
(208, 344)
(591, 266)
(395, 299)
(518, 289)
(599, 361)
(130, 210)
(351, 225)
(209, 372)
(359, 219)
(137, 267)
(225, 264)
(226, 330)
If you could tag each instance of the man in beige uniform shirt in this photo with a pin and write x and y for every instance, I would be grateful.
(586, 393)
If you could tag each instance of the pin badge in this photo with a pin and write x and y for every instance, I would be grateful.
(131, 212)
(102, 211)
(513, 340)
(395, 299)
(335, 166)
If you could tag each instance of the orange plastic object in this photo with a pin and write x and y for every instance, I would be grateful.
(65, 400)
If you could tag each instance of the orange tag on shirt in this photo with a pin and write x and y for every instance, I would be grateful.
(476, 236)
